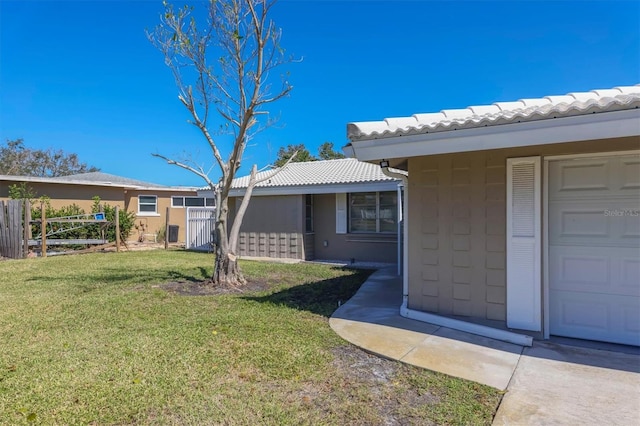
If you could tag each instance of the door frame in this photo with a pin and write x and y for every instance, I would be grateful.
(545, 221)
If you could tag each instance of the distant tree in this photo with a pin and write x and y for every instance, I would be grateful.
(301, 153)
(326, 152)
(17, 159)
(225, 61)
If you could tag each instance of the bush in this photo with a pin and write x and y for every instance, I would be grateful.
(88, 230)
(126, 219)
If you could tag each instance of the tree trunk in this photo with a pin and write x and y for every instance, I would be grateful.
(226, 272)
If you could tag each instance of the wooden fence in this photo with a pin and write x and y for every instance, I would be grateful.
(11, 229)
(15, 238)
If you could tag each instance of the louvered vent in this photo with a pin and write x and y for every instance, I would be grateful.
(524, 285)
(523, 201)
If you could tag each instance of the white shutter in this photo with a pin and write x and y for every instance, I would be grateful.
(341, 213)
(524, 284)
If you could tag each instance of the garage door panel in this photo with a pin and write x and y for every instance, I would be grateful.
(630, 272)
(613, 319)
(580, 272)
(630, 173)
(602, 223)
(594, 248)
(614, 270)
(602, 177)
(631, 223)
(574, 222)
(570, 177)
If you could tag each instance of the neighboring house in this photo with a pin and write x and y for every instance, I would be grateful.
(521, 215)
(146, 200)
(332, 210)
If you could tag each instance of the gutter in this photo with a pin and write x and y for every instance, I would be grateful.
(403, 259)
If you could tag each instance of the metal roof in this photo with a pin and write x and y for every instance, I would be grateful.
(96, 179)
(523, 110)
(315, 173)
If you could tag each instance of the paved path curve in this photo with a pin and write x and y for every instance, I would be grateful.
(547, 383)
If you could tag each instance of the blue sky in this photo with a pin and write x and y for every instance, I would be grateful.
(81, 75)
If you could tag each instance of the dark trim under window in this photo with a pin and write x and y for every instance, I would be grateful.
(308, 213)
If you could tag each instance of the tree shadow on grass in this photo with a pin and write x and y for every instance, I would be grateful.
(319, 297)
(114, 275)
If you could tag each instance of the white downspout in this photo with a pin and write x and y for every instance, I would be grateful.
(404, 176)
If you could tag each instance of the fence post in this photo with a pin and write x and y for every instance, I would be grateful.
(166, 230)
(117, 229)
(43, 229)
(26, 229)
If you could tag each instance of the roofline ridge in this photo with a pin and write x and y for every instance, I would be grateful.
(598, 98)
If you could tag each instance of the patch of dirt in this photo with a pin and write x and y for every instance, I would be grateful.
(382, 379)
(361, 365)
(207, 288)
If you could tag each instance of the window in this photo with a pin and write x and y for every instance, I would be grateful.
(191, 202)
(308, 213)
(147, 204)
(373, 212)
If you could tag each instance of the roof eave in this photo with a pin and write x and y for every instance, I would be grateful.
(386, 185)
(602, 125)
(47, 180)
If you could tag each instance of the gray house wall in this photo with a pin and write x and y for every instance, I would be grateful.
(361, 247)
(272, 227)
(457, 227)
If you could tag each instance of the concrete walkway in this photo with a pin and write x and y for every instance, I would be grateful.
(547, 383)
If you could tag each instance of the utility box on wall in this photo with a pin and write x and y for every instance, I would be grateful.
(172, 234)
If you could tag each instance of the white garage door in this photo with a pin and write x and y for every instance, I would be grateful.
(594, 248)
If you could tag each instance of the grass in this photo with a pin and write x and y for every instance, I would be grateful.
(95, 339)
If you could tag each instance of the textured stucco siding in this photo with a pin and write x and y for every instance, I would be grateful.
(154, 222)
(272, 227)
(457, 227)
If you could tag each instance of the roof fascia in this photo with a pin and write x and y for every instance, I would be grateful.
(313, 189)
(540, 132)
(35, 179)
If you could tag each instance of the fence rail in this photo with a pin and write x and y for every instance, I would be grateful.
(11, 229)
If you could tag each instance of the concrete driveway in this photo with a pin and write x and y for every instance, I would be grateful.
(546, 384)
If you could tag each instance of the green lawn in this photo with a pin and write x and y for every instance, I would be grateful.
(97, 339)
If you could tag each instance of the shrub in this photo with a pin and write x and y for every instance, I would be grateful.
(84, 231)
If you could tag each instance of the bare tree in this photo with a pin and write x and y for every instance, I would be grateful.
(223, 68)
(17, 159)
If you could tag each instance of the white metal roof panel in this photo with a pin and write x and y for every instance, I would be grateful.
(550, 107)
(316, 173)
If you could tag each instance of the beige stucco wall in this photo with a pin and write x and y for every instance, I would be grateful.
(150, 223)
(457, 227)
(61, 195)
(361, 247)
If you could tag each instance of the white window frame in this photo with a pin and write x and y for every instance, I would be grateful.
(155, 204)
(377, 219)
(184, 200)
